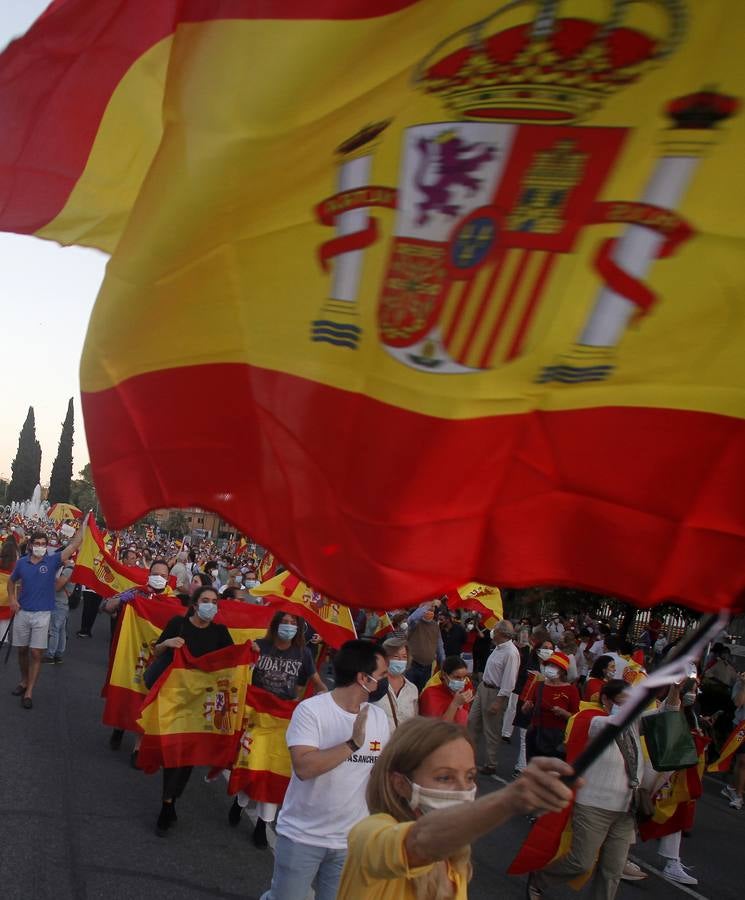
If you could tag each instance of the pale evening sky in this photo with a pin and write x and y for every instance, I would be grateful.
(47, 293)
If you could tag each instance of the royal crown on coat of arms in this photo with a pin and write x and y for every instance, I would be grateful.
(546, 70)
(492, 198)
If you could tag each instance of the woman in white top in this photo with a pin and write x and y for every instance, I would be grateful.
(402, 698)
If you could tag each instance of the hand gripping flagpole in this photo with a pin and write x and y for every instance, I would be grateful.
(675, 670)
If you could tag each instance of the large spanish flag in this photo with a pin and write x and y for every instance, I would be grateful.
(141, 622)
(262, 767)
(460, 282)
(193, 715)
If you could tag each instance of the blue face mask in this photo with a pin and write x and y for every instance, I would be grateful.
(206, 611)
(397, 666)
(286, 632)
(456, 684)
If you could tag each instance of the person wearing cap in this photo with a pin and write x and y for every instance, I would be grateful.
(553, 703)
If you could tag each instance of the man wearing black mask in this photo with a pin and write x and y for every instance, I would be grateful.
(334, 741)
(453, 635)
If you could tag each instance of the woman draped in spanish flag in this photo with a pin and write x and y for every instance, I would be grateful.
(553, 703)
(200, 635)
(448, 694)
(262, 768)
(603, 670)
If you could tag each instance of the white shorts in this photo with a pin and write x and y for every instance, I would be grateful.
(31, 629)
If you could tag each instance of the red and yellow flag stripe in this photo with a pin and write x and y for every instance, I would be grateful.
(100, 570)
(262, 767)
(194, 712)
(4, 602)
(141, 622)
(481, 598)
(333, 621)
(674, 803)
(730, 747)
(413, 480)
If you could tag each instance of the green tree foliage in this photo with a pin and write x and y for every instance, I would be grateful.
(83, 491)
(177, 523)
(60, 482)
(26, 468)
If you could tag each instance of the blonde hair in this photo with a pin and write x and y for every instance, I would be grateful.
(412, 742)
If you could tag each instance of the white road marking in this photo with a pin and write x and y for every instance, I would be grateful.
(658, 872)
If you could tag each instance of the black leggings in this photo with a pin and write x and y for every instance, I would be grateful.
(174, 781)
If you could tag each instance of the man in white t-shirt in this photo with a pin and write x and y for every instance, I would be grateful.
(334, 742)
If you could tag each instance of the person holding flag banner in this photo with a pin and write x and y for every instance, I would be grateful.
(194, 710)
(262, 769)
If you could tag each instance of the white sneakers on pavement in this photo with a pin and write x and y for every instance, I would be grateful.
(674, 871)
(736, 802)
(728, 792)
(632, 872)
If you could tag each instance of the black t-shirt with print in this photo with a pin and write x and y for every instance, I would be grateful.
(281, 671)
(198, 640)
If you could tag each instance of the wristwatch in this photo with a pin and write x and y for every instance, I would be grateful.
(352, 746)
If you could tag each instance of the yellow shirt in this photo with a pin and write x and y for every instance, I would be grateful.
(377, 868)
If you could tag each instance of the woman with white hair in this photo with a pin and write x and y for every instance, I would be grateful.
(401, 701)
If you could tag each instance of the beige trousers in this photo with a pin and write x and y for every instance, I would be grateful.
(481, 721)
(600, 834)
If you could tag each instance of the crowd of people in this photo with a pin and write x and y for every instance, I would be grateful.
(386, 753)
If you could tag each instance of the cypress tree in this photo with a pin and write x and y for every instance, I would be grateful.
(59, 483)
(26, 467)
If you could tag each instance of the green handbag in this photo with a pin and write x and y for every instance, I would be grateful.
(669, 741)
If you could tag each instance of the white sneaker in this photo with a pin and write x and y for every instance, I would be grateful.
(728, 792)
(736, 802)
(632, 872)
(673, 871)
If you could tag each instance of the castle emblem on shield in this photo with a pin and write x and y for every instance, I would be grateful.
(494, 197)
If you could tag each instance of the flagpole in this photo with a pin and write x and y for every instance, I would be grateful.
(673, 671)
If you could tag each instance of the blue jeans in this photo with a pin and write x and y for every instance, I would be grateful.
(58, 629)
(297, 865)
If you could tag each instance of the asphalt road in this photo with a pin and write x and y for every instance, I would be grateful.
(77, 822)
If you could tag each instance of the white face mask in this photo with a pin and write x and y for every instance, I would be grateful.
(206, 610)
(615, 709)
(551, 672)
(39, 551)
(544, 653)
(429, 799)
(469, 627)
(157, 582)
(404, 626)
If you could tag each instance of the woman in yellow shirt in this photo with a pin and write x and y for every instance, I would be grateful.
(416, 844)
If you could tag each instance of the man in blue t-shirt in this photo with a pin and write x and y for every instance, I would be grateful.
(32, 599)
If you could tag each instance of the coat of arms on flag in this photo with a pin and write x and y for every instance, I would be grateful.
(491, 203)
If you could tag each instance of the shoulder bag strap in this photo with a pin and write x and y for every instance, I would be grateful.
(393, 708)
